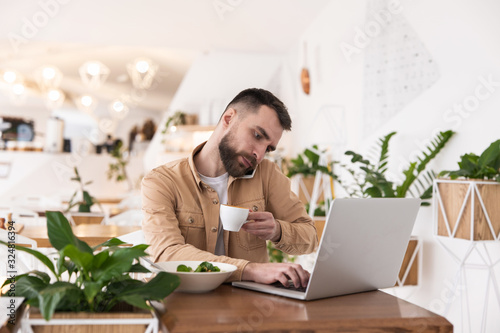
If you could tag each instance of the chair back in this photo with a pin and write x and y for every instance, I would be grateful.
(15, 260)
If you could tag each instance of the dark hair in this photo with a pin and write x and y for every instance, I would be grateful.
(254, 98)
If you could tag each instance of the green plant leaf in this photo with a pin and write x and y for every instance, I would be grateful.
(138, 268)
(91, 289)
(83, 260)
(109, 242)
(373, 192)
(64, 265)
(50, 297)
(87, 198)
(312, 156)
(357, 157)
(61, 234)
(30, 286)
(469, 166)
(491, 156)
(157, 288)
(415, 168)
(119, 262)
(100, 258)
(136, 300)
(83, 208)
(384, 151)
(427, 194)
(73, 300)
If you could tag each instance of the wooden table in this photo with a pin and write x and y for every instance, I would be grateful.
(93, 234)
(230, 309)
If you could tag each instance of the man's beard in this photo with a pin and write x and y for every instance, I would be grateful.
(229, 158)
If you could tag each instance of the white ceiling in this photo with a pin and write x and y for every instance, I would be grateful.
(66, 33)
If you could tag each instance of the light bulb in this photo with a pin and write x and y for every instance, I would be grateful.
(87, 100)
(48, 73)
(93, 68)
(54, 95)
(9, 76)
(118, 106)
(18, 88)
(142, 66)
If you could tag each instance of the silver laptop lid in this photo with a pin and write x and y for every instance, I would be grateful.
(363, 245)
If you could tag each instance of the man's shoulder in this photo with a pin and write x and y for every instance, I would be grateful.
(267, 166)
(169, 169)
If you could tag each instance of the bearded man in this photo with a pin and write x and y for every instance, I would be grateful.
(181, 199)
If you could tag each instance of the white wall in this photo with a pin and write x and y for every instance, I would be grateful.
(334, 83)
(462, 38)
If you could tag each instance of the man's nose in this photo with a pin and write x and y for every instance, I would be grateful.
(259, 152)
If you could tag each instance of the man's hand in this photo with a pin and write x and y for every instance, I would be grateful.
(271, 272)
(263, 225)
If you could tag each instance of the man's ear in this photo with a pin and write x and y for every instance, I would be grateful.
(228, 117)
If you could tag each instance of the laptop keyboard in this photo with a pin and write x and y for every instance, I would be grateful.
(291, 286)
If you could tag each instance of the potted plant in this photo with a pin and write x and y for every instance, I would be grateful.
(368, 179)
(467, 201)
(84, 201)
(178, 118)
(307, 165)
(87, 280)
(118, 169)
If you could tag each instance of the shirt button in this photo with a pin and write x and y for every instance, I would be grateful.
(215, 202)
(255, 208)
(214, 229)
(190, 220)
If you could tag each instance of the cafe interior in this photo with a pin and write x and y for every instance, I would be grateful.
(95, 94)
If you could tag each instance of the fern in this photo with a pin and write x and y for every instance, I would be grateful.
(368, 179)
(416, 168)
(384, 152)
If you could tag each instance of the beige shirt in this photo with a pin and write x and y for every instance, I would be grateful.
(181, 215)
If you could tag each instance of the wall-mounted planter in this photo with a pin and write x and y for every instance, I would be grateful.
(467, 209)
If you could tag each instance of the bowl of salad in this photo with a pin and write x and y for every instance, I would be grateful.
(198, 276)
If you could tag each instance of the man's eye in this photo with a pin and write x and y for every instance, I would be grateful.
(257, 135)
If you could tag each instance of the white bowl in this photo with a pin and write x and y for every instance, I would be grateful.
(197, 282)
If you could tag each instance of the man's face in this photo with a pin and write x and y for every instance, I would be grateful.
(248, 139)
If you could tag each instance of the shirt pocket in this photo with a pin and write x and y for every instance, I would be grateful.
(245, 240)
(192, 226)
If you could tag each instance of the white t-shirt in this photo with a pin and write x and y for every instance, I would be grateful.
(219, 184)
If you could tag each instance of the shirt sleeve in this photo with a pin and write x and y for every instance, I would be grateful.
(298, 233)
(161, 227)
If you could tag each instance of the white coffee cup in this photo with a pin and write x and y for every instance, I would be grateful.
(233, 217)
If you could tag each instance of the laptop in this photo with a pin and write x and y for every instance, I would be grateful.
(362, 248)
